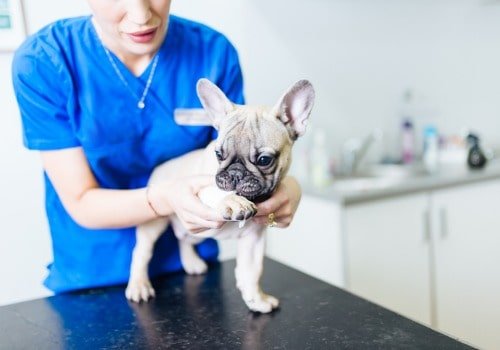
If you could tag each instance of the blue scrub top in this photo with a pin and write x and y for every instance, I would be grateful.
(69, 95)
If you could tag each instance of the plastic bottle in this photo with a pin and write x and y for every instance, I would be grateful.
(320, 176)
(300, 162)
(407, 114)
(407, 142)
(431, 149)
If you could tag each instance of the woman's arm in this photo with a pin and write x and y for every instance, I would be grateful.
(95, 207)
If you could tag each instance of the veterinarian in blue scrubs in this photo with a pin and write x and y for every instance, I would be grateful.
(97, 97)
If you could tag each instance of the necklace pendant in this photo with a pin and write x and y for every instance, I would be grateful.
(141, 105)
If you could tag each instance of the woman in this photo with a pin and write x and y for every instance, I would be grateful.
(97, 96)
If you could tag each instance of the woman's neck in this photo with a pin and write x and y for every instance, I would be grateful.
(137, 64)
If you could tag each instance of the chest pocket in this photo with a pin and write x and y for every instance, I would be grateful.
(123, 150)
(168, 139)
(110, 125)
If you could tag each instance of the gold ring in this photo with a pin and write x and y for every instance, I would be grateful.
(270, 220)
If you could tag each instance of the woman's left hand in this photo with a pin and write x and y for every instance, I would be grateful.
(282, 204)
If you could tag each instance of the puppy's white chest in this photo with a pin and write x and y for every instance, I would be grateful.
(212, 195)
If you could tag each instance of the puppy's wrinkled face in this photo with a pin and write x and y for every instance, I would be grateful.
(253, 150)
(254, 143)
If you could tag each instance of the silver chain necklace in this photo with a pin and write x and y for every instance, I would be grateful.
(141, 104)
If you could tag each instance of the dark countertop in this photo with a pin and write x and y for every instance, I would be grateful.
(206, 312)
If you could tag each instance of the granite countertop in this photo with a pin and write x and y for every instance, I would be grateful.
(362, 190)
(206, 312)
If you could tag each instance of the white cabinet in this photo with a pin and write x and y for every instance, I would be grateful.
(466, 234)
(387, 254)
(312, 244)
(433, 257)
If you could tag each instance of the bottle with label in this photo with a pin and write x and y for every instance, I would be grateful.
(300, 161)
(431, 149)
(407, 142)
(407, 116)
(320, 172)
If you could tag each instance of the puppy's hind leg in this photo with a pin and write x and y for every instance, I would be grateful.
(191, 261)
(139, 287)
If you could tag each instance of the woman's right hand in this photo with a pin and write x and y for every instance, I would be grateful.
(181, 198)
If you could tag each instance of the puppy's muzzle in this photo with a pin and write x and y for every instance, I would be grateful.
(237, 178)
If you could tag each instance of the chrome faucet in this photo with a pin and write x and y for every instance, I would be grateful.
(355, 149)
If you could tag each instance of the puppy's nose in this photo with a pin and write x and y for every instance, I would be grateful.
(227, 179)
(236, 172)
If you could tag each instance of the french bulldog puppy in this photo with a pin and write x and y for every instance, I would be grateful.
(249, 158)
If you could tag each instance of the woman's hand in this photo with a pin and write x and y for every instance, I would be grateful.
(283, 204)
(181, 197)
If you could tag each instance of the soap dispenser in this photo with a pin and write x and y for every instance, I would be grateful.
(476, 158)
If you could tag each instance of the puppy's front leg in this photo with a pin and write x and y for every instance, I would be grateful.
(251, 245)
(139, 287)
(249, 266)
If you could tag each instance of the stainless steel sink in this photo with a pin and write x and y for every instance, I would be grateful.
(377, 177)
(394, 171)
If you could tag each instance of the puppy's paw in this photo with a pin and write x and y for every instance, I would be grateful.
(271, 300)
(139, 289)
(194, 265)
(234, 207)
(261, 302)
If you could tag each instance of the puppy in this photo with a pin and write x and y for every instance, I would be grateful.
(250, 157)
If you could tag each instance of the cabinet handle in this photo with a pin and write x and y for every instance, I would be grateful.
(443, 220)
(427, 226)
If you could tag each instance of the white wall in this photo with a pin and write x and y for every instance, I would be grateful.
(24, 239)
(24, 244)
(360, 55)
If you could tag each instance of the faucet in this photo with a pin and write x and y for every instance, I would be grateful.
(355, 149)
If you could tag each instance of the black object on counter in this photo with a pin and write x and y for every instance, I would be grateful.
(476, 158)
(206, 312)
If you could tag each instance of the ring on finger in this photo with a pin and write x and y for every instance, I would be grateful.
(271, 222)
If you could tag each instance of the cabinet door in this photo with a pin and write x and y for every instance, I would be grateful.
(388, 247)
(312, 244)
(466, 226)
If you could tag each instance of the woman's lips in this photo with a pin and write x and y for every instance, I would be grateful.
(143, 37)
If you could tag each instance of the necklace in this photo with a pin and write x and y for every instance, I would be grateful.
(141, 104)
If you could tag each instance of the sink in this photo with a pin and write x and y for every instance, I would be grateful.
(377, 177)
(362, 184)
(393, 171)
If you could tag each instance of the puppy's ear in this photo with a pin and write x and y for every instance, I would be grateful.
(214, 101)
(295, 106)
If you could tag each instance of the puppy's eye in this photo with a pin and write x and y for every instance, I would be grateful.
(264, 160)
(218, 154)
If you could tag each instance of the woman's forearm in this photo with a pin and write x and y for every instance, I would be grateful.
(106, 208)
(95, 207)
